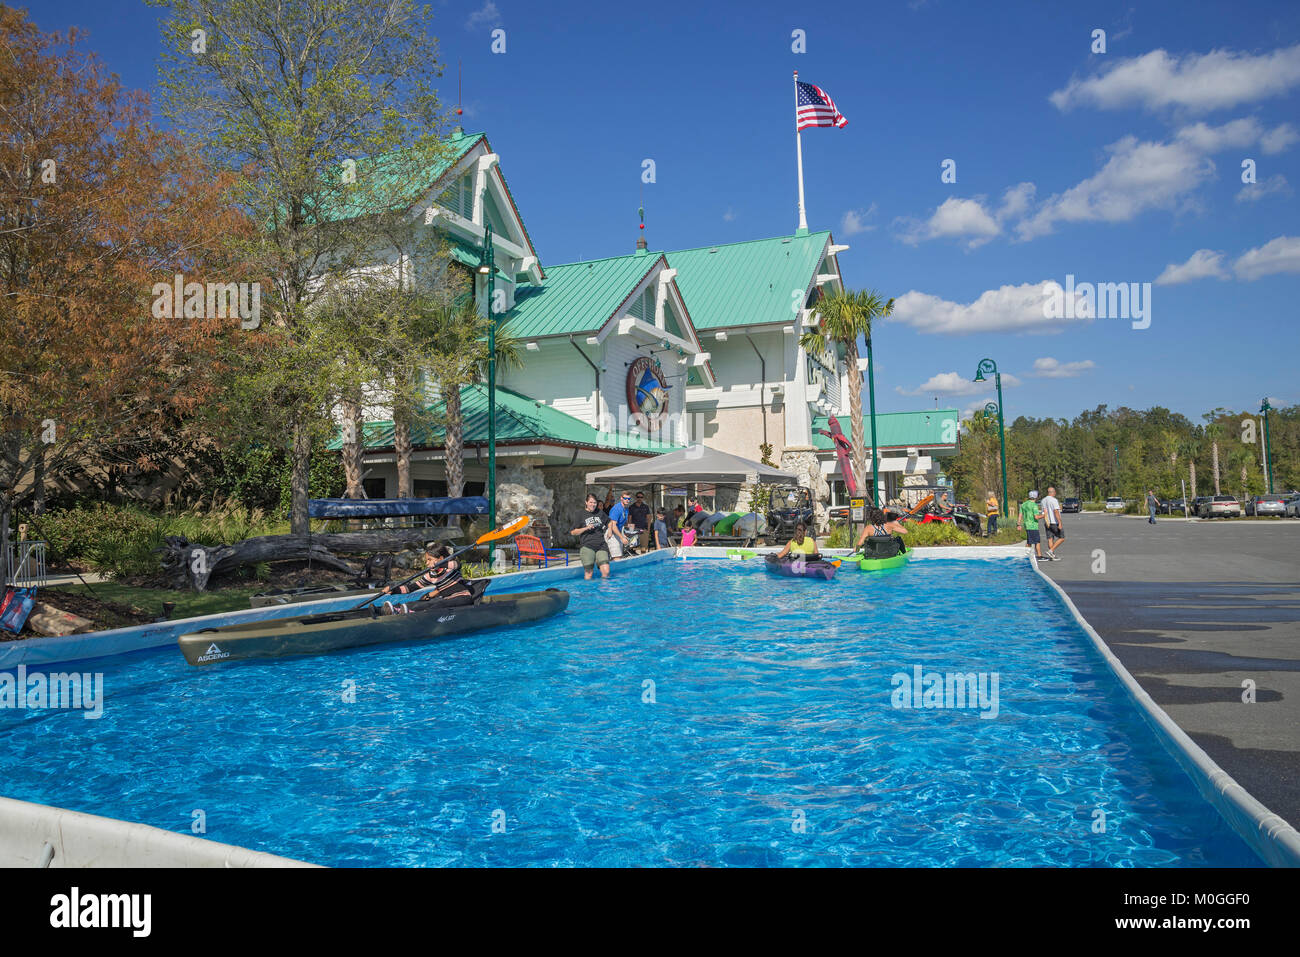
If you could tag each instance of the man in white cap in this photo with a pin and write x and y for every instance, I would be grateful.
(1027, 519)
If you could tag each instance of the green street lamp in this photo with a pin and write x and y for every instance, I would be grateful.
(988, 365)
(487, 267)
(1265, 408)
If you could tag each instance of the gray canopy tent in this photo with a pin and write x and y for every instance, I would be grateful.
(695, 465)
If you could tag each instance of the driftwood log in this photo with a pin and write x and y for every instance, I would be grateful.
(191, 565)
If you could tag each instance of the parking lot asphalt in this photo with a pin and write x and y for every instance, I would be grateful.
(1193, 610)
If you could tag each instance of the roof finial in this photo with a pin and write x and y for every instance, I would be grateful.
(460, 75)
(640, 239)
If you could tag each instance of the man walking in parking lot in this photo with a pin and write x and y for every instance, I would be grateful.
(1152, 504)
(1028, 518)
(1052, 517)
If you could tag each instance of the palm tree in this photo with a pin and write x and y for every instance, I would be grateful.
(458, 347)
(845, 316)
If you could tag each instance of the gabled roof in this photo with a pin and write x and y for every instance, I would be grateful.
(519, 420)
(748, 283)
(578, 297)
(897, 430)
(388, 169)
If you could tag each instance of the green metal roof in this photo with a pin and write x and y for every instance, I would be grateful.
(519, 419)
(924, 430)
(747, 283)
(388, 169)
(578, 297)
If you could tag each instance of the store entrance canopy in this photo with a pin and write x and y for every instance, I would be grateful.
(697, 463)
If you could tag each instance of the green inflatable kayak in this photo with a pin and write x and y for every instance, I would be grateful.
(741, 553)
(725, 526)
(880, 564)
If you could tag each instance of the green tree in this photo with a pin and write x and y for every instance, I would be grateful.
(324, 112)
(846, 317)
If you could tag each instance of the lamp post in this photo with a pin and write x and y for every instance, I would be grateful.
(1268, 452)
(487, 267)
(988, 365)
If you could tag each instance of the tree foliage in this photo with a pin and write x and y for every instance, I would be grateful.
(1156, 450)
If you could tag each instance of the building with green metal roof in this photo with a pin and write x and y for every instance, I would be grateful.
(639, 353)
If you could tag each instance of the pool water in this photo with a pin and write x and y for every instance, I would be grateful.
(696, 713)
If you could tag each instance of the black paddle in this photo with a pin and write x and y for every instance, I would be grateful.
(505, 531)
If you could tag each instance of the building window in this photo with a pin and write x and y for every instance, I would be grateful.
(375, 487)
(429, 488)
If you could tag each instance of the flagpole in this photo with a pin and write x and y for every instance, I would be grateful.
(798, 150)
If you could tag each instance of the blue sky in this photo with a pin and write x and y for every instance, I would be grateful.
(1115, 167)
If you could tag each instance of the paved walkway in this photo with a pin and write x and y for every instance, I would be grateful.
(1193, 609)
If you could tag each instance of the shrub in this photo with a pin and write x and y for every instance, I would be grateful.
(840, 536)
(121, 541)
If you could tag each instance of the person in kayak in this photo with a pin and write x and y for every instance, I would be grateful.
(887, 535)
(802, 544)
(446, 585)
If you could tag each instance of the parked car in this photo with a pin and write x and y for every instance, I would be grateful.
(1198, 505)
(1071, 505)
(1292, 509)
(1222, 506)
(1175, 506)
(1266, 505)
(1115, 504)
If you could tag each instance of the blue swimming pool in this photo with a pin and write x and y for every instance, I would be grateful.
(684, 713)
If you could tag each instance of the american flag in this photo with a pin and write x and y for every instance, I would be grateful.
(814, 108)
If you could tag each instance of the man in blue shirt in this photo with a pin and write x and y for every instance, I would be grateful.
(618, 517)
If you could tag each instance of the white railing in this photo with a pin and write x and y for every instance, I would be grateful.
(26, 565)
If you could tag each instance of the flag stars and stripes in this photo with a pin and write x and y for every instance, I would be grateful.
(813, 107)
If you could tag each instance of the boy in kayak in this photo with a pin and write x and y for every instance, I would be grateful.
(884, 532)
(802, 544)
(446, 585)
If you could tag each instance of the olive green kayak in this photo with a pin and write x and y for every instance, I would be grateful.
(331, 631)
(292, 596)
(880, 564)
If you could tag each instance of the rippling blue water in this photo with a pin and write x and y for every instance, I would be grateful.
(771, 738)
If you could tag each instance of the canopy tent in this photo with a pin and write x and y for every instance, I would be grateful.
(698, 463)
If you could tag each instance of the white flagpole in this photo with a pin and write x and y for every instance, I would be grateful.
(798, 149)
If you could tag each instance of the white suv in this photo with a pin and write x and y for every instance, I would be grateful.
(1115, 505)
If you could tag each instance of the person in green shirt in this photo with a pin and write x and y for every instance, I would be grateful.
(1030, 513)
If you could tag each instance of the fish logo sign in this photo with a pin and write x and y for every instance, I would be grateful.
(647, 391)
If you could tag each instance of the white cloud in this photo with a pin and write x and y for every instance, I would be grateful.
(1049, 368)
(1202, 264)
(1197, 81)
(1006, 309)
(950, 383)
(968, 218)
(1140, 175)
(1254, 192)
(1277, 140)
(855, 221)
(486, 15)
(1277, 255)
(729, 215)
